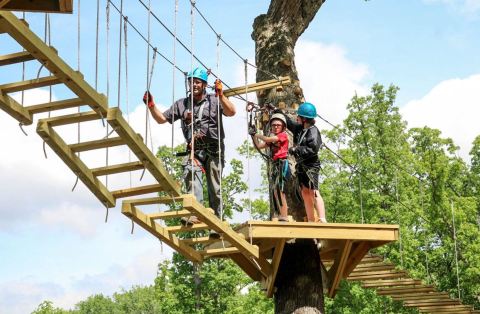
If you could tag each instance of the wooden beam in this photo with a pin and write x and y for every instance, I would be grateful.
(309, 230)
(74, 163)
(433, 302)
(247, 266)
(194, 227)
(219, 252)
(97, 144)
(4, 3)
(170, 214)
(155, 200)
(213, 222)
(421, 295)
(335, 274)
(139, 190)
(16, 57)
(55, 65)
(29, 84)
(135, 142)
(119, 168)
(256, 86)
(14, 109)
(46, 6)
(56, 105)
(71, 118)
(443, 308)
(406, 290)
(161, 233)
(277, 256)
(377, 266)
(356, 257)
(374, 276)
(390, 283)
(200, 240)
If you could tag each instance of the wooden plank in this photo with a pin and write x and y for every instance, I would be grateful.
(302, 230)
(139, 190)
(390, 283)
(161, 233)
(277, 256)
(169, 214)
(378, 276)
(155, 200)
(420, 303)
(14, 109)
(16, 57)
(377, 266)
(219, 252)
(71, 118)
(201, 240)
(449, 307)
(29, 84)
(335, 274)
(55, 105)
(355, 258)
(194, 227)
(97, 144)
(356, 273)
(3, 3)
(256, 86)
(213, 222)
(119, 168)
(135, 142)
(54, 64)
(407, 290)
(74, 163)
(419, 296)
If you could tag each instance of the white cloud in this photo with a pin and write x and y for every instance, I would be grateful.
(328, 78)
(453, 107)
(25, 294)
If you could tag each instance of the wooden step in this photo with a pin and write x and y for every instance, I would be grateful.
(194, 227)
(97, 144)
(137, 191)
(390, 283)
(16, 57)
(219, 252)
(72, 118)
(170, 214)
(113, 169)
(55, 105)
(406, 290)
(199, 240)
(29, 84)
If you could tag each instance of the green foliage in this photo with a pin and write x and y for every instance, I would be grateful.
(46, 307)
(386, 174)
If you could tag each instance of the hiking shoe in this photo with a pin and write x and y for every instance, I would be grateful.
(214, 234)
(189, 221)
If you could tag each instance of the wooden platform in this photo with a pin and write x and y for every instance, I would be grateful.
(48, 6)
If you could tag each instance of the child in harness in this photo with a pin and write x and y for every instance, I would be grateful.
(277, 141)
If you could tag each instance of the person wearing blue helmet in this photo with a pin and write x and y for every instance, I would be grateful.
(307, 142)
(208, 135)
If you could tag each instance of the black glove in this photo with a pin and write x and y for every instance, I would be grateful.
(252, 130)
(292, 151)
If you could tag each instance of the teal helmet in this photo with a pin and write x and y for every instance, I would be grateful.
(199, 73)
(307, 110)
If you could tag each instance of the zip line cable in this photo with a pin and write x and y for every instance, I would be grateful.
(230, 47)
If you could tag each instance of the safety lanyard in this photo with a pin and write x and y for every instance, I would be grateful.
(304, 133)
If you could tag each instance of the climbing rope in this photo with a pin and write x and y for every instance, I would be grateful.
(360, 186)
(107, 21)
(192, 123)
(399, 221)
(173, 71)
(120, 54)
(456, 250)
(125, 30)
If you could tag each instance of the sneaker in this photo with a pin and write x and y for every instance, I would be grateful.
(282, 219)
(189, 221)
(214, 234)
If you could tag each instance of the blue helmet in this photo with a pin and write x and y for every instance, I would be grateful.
(307, 110)
(199, 73)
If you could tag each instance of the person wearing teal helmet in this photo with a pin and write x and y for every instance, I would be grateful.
(205, 111)
(307, 142)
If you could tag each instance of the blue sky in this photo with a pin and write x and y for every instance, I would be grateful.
(54, 242)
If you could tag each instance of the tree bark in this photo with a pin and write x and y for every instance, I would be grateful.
(299, 279)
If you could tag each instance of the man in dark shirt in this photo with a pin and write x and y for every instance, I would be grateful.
(207, 130)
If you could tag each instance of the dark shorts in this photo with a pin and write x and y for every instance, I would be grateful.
(308, 176)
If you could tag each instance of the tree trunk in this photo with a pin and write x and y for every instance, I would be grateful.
(299, 279)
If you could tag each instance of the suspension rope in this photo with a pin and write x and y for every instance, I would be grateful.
(248, 155)
(230, 47)
(399, 221)
(107, 20)
(173, 71)
(78, 69)
(192, 123)
(360, 186)
(148, 69)
(456, 250)
(125, 30)
(96, 44)
(120, 54)
(220, 127)
(425, 240)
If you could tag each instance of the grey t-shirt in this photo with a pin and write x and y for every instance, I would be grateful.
(207, 125)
